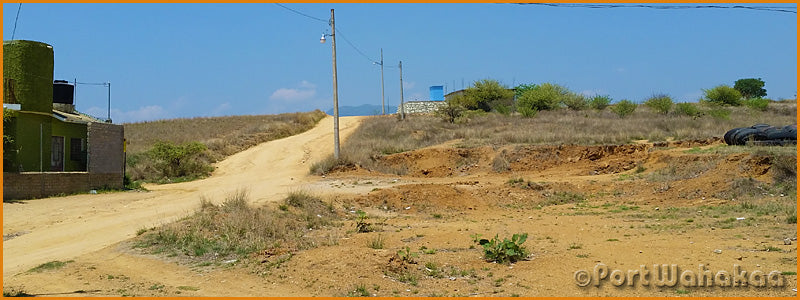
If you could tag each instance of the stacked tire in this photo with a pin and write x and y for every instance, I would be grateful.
(762, 134)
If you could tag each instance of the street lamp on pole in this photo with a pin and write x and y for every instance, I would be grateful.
(335, 88)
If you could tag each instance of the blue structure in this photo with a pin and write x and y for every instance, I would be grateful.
(437, 93)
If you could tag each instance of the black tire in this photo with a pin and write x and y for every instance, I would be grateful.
(748, 134)
(729, 135)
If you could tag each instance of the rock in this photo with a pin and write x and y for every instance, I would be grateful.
(718, 251)
(787, 241)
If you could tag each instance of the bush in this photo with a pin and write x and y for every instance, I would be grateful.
(506, 251)
(720, 113)
(623, 108)
(599, 102)
(527, 111)
(660, 103)
(576, 101)
(184, 160)
(687, 109)
(547, 96)
(723, 95)
(757, 103)
(485, 95)
(450, 112)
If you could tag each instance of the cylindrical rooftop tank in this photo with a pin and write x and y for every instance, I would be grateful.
(63, 92)
(28, 75)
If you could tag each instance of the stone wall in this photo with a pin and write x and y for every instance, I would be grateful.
(421, 107)
(40, 185)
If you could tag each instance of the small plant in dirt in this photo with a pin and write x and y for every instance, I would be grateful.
(376, 243)
(359, 291)
(406, 256)
(361, 222)
(53, 265)
(505, 251)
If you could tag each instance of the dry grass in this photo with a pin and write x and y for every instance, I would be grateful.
(236, 230)
(384, 135)
(222, 136)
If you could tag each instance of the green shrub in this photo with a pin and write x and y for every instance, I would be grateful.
(575, 101)
(719, 113)
(184, 160)
(723, 95)
(757, 103)
(599, 102)
(527, 112)
(623, 108)
(485, 95)
(506, 251)
(660, 103)
(547, 96)
(687, 109)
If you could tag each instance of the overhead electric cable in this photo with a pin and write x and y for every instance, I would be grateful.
(338, 31)
(783, 9)
(13, 33)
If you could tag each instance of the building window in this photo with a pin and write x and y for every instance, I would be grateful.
(77, 151)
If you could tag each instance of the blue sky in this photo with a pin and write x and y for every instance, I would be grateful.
(191, 60)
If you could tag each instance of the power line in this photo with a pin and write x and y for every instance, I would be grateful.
(338, 31)
(783, 9)
(302, 14)
(13, 33)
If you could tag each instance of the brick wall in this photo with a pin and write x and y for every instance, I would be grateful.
(106, 162)
(105, 148)
(40, 185)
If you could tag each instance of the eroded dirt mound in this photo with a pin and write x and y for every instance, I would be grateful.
(420, 197)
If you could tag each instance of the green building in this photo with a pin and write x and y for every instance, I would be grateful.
(42, 131)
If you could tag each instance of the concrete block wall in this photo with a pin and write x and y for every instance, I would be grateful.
(422, 107)
(40, 185)
(105, 146)
(106, 165)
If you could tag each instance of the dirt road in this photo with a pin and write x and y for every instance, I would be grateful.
(66, 227)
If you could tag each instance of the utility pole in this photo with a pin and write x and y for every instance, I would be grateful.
(383, 98)
(402, 108)
(335, 93)
(109, 102)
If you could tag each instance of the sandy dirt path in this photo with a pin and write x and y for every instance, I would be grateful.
(63, 228)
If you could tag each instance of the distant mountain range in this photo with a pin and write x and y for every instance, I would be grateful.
(362, 110)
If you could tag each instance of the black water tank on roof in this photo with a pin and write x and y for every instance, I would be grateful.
(63, 92)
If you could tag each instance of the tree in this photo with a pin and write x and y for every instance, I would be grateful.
(750, 88)
(723, 95)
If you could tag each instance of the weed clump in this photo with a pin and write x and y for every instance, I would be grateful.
(236, 229)
(505, 251)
